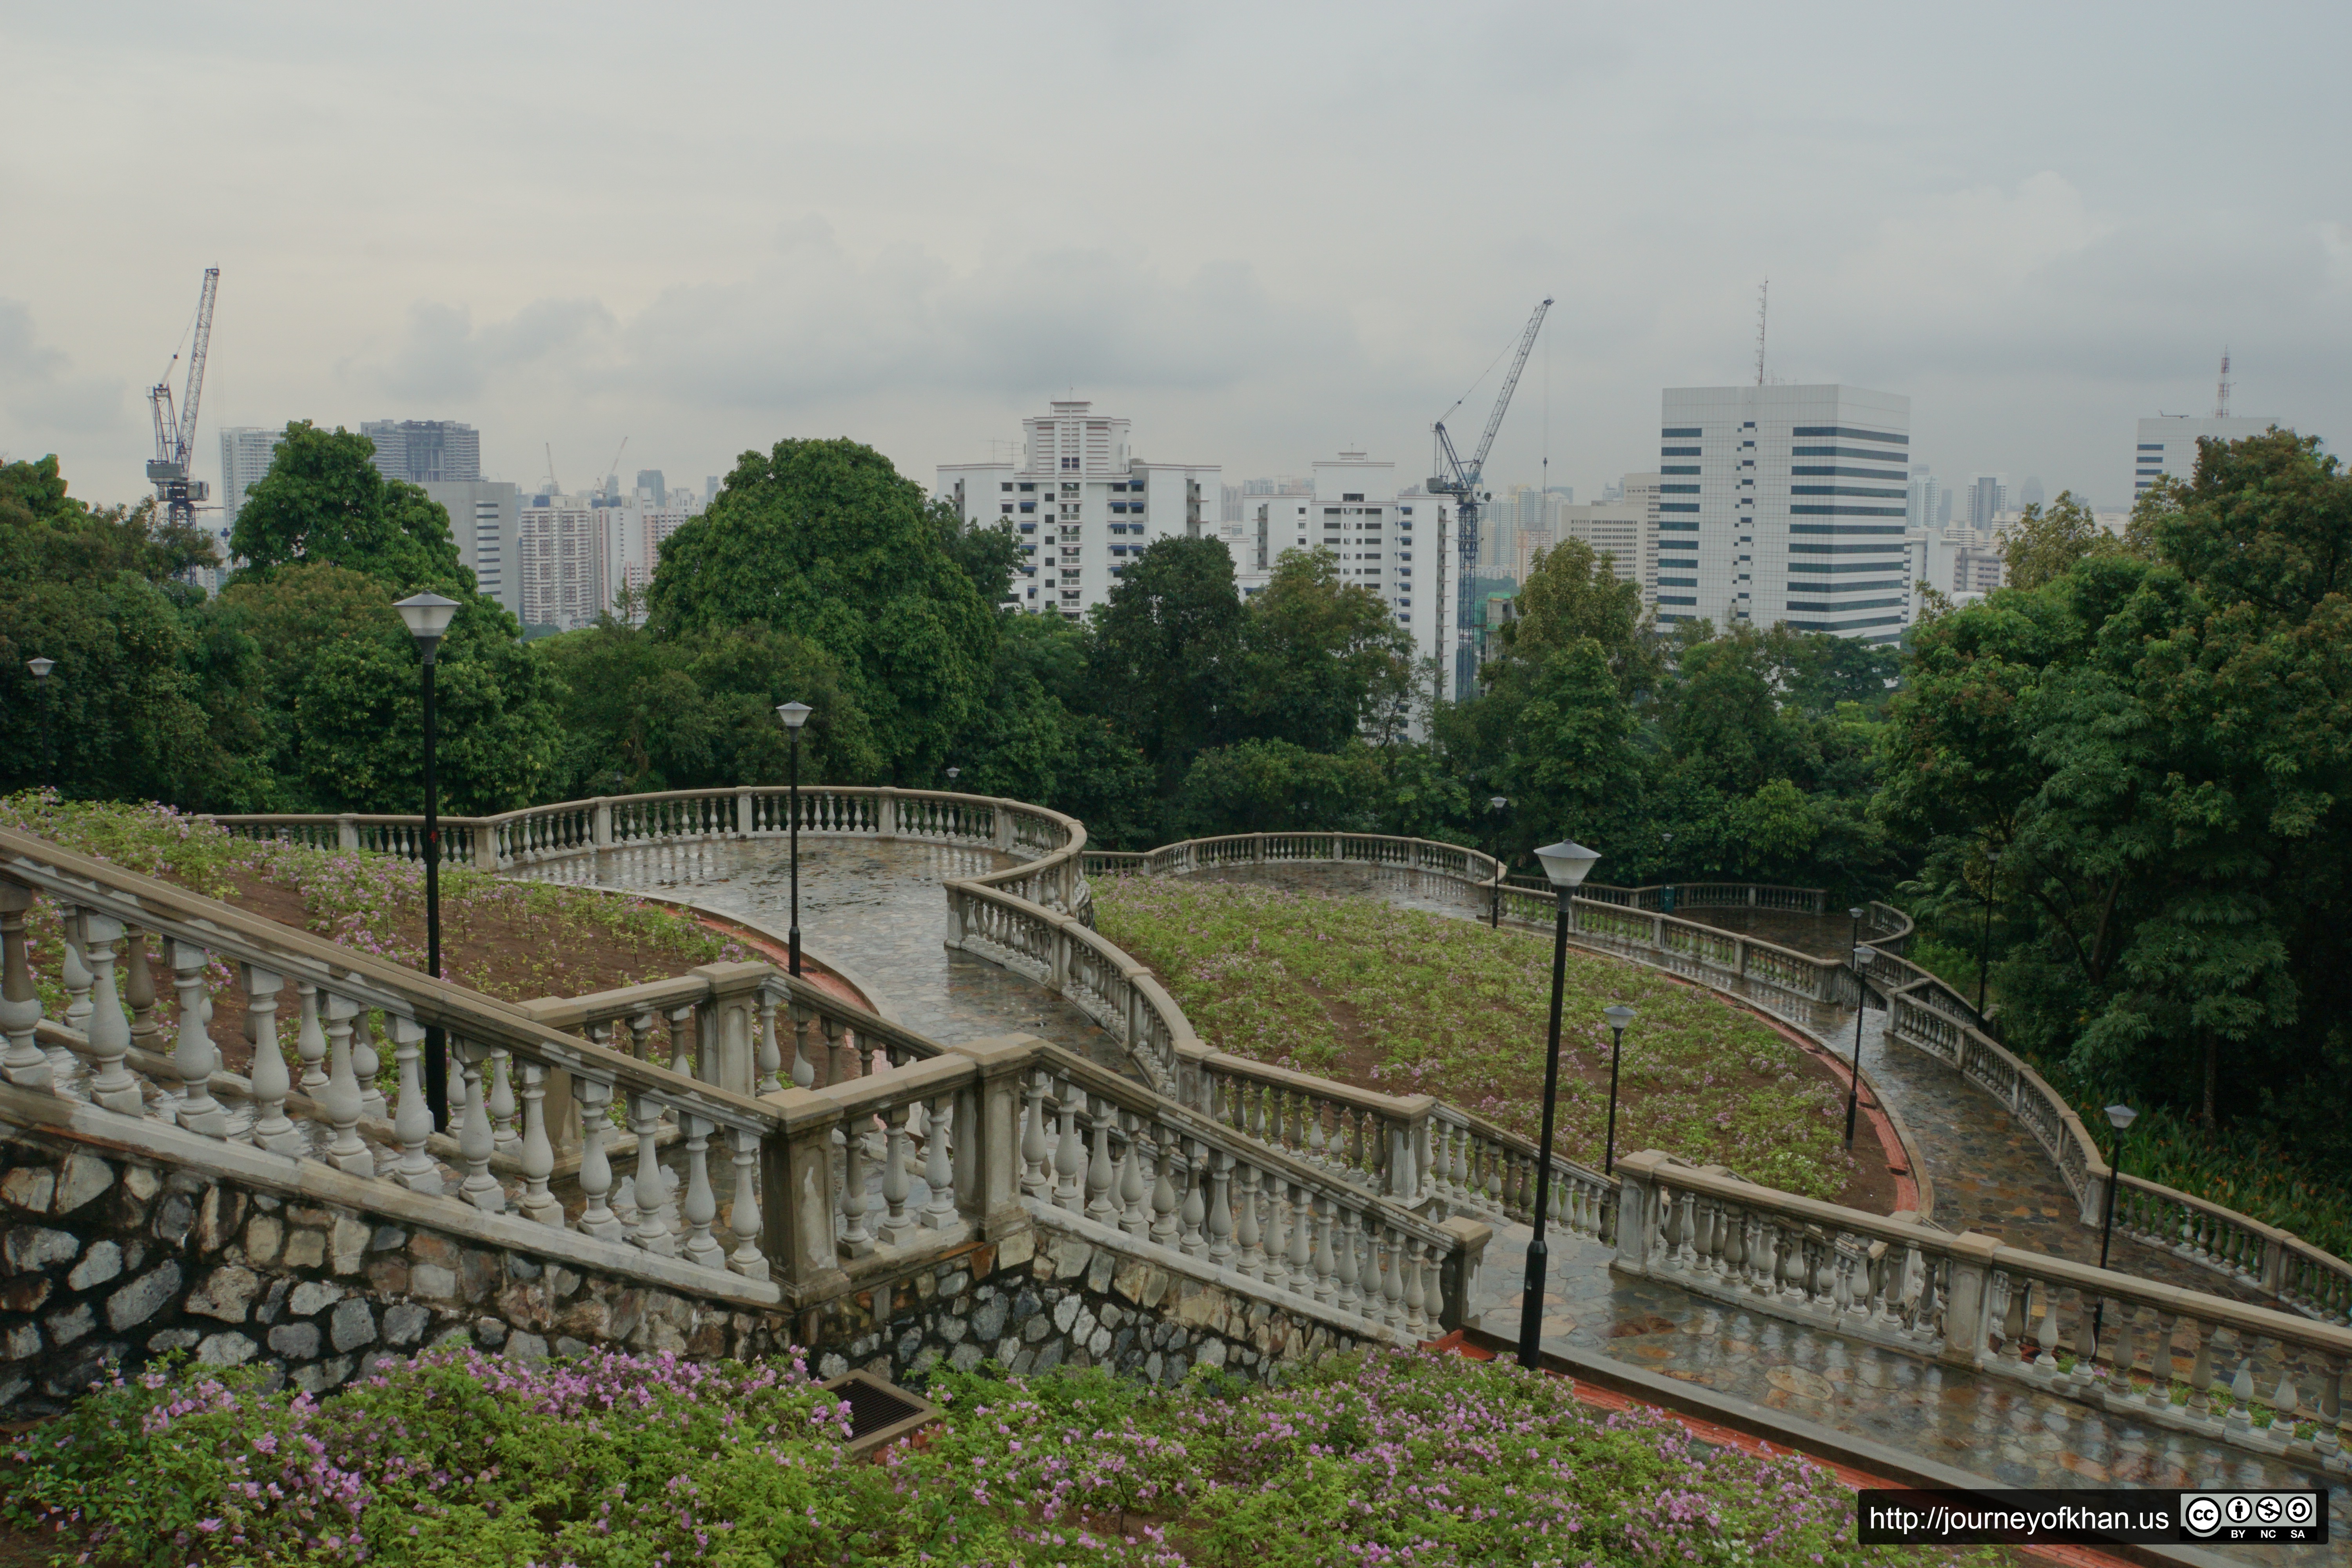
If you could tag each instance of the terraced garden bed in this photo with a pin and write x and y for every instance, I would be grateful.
(1406, 1001)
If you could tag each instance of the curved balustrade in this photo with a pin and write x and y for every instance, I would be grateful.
(1049, 844)
(1966, 1299)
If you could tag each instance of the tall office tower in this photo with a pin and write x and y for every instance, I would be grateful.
(562, 561)
(1084, 504)
(421, 449)
(1794, 497)
(246, 453)
(2030, 492)
(652, 479)
(1642, 490)
(2167, 446)
(1988, 498)
(486, 516)
(711, 487)
(1919, 505)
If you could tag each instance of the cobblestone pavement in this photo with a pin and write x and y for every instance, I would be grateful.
(875, 906)
(2012, 1435)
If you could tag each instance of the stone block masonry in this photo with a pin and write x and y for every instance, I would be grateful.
(108, 1264)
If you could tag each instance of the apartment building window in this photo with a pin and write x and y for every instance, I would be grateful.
(1008, 485)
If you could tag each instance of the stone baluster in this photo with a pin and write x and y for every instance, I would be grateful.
(702, 1205)
(649, 1191)
(938, 1168)
(368, 1068)
(20, 1001)
(195, 1056)
(139, 990)
(1791, 1243)
(411, 1123)
(1165, 1202)
(1844, 1264)
(1318, 1149)
(2329, 1438)
(641, 1036)
(595, 1102)
(895, 1221)
(1455, 1156)
(310, 1039)
(506, 1132)
(2045, 1333)
(1133, 1218)
(1503, 1170)
(1416, 1299)
(1035, 1177)
(1194, 1241)
(73, 970)
(272, 1128)
(1221, 1214)
(2286, 1402)
(843, 1050)
(856, 1239)
(743, 1217)
(1926, 1307)
(475, 1139)
(1100, 1175)
(683, 1041)
(2241, 1387)
(1392, 1304)
(1325, 1267)
(339, 1097)
(538, 1154)
(803, 1075)
(1351, 1227)
(769, 1069)
(1069, 1154)
(1248, 1233)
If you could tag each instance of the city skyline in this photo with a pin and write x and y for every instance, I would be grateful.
(1972, 230)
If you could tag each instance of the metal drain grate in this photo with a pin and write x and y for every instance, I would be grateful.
(880, 1412)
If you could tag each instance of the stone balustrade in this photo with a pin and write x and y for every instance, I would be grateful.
(1970, 1300)
(1048, 844)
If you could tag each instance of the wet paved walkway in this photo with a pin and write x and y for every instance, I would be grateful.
(877, 908)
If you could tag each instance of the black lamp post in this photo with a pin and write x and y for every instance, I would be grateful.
(428, 615)
(2120, 1118)
(1861, 957)
(1984, 942)
(1619, 1015)
(794, 715)
(1565, 864)
(40, 668)
(1497, 805)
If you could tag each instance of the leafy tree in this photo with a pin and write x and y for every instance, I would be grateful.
(324, 503)
(986, 552)
(1167, 653)
(1272, 785)
(2045, 544)
(1321, 660)
(827, 540)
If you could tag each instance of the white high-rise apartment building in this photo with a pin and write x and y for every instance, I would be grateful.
(419, 450)
(1642, 490)
(1390, 541)
(246, 454)
(1615, 529)
(1785, 504)
(485, 518)
(1083, 504)
(563, 565)
(2167, 446)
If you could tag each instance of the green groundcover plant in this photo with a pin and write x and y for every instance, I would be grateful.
(1411, 1002)
(617, 1461)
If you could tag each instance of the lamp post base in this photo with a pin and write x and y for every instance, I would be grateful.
(1531, 1305)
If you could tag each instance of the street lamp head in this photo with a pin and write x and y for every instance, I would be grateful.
(1497, 802)
(793, 714)
(1864, 957)
(2121, 1117)
(40, 667)
(1993, 856)
(1855, 911)
(1617, 1014)
(1566, 863)
(428, 616)
(954, 773)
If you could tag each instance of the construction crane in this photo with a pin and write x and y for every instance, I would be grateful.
(1462, 482)
(175, 434)
(2222, 394)
(613, 474)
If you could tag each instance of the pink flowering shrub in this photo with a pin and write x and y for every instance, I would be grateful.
(1452, 1008)
(613, 1461)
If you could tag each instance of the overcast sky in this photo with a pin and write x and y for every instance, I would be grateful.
(1262, 232)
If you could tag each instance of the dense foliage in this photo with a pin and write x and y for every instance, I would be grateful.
(613, 1461)
(1409, 1001)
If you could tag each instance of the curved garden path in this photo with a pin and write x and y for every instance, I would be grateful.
(877, 908)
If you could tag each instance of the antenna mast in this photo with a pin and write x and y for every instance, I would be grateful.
(1763, 297)
(2222, 394)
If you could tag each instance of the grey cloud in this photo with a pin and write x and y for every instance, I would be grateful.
(40, 394)
(442, 356)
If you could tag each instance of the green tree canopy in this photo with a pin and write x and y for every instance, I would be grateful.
(826, 541)
(1167, 652)
(1321, 660)
(324, 502)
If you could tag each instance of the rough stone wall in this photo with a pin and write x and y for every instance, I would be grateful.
(106, 1263)
(1039, 1299)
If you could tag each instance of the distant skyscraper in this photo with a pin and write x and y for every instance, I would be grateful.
(1794, 498)
(418, 450)
(2030, 492)
(2167, 447)
(1920, 506)
(710, 490)
(1988, 498)
(485, 518)
(246, 451)
(652, 479)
